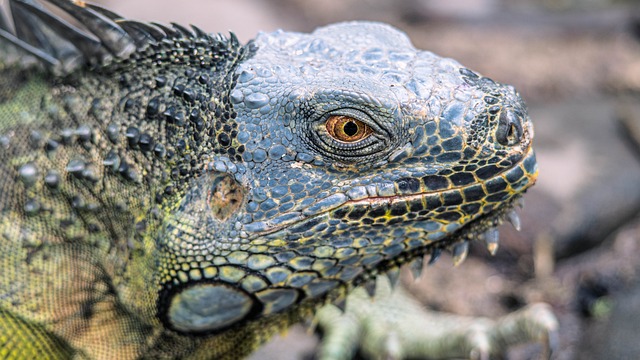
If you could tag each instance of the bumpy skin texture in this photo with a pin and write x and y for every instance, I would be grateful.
(176, 194)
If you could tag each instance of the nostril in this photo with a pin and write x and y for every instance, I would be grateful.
(509, 132)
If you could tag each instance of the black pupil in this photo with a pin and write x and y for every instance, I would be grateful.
(350, 128)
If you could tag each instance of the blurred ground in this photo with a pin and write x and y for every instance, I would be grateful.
(577, 63)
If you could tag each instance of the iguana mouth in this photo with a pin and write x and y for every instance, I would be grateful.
(483, 228)
(494, 190)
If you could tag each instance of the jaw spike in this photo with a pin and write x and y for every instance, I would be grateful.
(491, 239)
(311, 324)
(460, 251)
(435, 255)
(370, 287)
(341, 303)
(514, 219)
(416, 268)
(393, 275)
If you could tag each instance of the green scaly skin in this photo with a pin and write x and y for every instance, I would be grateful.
(168, 193)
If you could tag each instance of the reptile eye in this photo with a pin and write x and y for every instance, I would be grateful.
(347, 129)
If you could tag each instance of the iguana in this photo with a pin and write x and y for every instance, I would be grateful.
(165, 192)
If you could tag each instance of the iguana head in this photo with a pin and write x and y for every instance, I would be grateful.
(347, 153)
(251, 180)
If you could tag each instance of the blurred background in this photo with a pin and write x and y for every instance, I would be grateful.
(577, 64)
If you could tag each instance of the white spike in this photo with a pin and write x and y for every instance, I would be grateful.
(434, 256)
(311, 324)
(370, 287)
(416, 268)
(460, 251)
(393, 275)
(491, 239)
(514, 219)
(341, 303)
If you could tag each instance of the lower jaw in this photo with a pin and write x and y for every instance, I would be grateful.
(483, 228)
